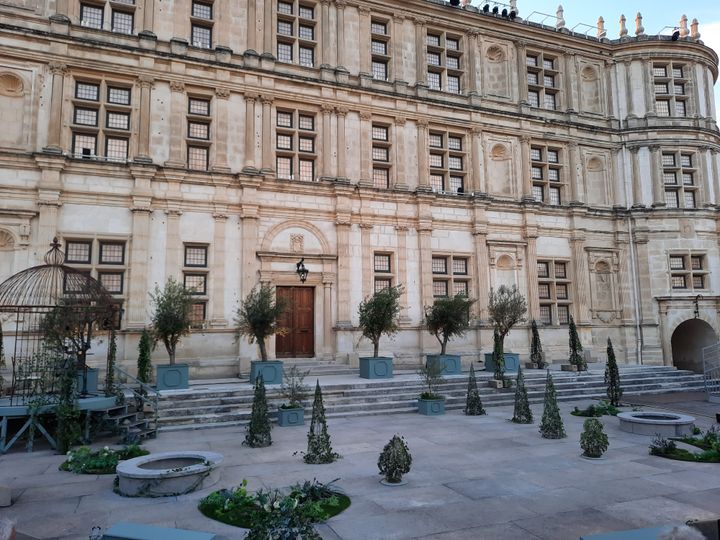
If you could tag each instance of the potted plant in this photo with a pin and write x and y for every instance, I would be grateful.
(295, 391)
(445, 319)
(537, 356)
(507, 307)
(497, 363)
(170, 322)
(576, 360)
(430, 402)
(593, 439)
(258, 317)
(395, 460)
(378, 316)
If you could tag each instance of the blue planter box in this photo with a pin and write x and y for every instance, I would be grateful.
(291, 417)
(92, 380)
(172, 376)
(450, 362)
(512, 362)
(380, 367)
(271, 371)
(431, 407)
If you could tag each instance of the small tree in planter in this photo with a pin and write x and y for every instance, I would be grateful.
(170, 322)
(522, 413)
(612, 377)
(395, 460)
(295, 391)
(258, 318)
(445, 319)
(498, 363)
(593, 439)
(473, 403)
(319, 448)
(257, 432)
(551, 426)
(378, 316)
(537, 358)
(431, 403)
(507, 307)
(577, 360)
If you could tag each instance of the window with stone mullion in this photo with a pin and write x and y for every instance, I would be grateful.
(296, 32)
(447, 160)
(670, 84)
(554, 291)
(380, 49)
(543, 80)
(546, 173)
(679, 174)
(444, 59)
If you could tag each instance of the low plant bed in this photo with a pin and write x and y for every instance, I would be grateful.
(708, 444)
(596, 411)
(296, 508)
(84, 461)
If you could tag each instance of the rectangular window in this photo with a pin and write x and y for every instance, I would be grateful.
(116, 120)
(679, 166)
(380, 154)
(379, 133)
(434, 81)
(460, 267)
(533, 98)
(284, 119)
(201, 36)
(688, 271)
(112, 253)
(437, 182)
(118, 96)
(196, 256)
(285, 28)
(197, 158)
(669, 81)
(457, 184)
(285, 8)
(306, 32)
(381, 179)
(307, 56)
(546, 174)
(554, 291)
(460, 287)
(306, 144)
(112, 281)
(116, 149)
(382, 283)
(291, 161)
(306, 123)
(199, 107)
(202, 10)
(439, 265)
(284, 168)
(122, 22)
(197, 313)
(307, 170)
(379, 70)
(198, 130)
(84, 145)
(546, 314)
(91, 16)
(678, 282)
(382, 262)
(455, 272)
(306, 12)
(78, 252)
(86, 117)
(196, 283)
(563, 314)
(542, 83)
(285, 52)
(87, 91)
(444, 60)
(440, 288)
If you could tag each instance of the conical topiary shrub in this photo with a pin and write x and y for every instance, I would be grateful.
(522, 413)
(395, 460)
(498, 357)
(576, 359)
(144, 366)
(257, 434)
(319, 449)
(536, 355)
(551, 426)
(110, 386)
(593, 439)
(473, 403)
(612, 377)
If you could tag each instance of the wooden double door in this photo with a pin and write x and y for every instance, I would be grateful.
(298, 322)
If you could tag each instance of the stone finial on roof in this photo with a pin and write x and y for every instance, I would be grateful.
(683, 26)
(694, 32)
(560, 18)
(623, 28)
(601, 32)
(513, 7)
(639, 28)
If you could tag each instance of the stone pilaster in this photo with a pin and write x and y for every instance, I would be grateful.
(250, 265)
(527, 193)
(326, 141)
(531, 235)
(425, 245)
(656, 177)
(54, 144)
(342, 226)
(568, 86)
(398, 37)
(575, 176)
(582, 283)
(472, 47)
(145, 83)
(420, 55)
(221, 130)
(48, 201)
(174, 246)
(340, 6)
(341, 113)
(365, 148)
(327, 347)
(326, 52)
(477, 176)
(482, 265)
(252, 25)
(178, 106)
(521, 48)
(367, 259)
(250, 143)
(402, 274)
(400, 150)
(268, 146)
(636, 178)
(149, 15)
(217, 298)
(422, 152)
(268, 27)
(364, 45)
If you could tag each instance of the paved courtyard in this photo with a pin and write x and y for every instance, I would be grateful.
(472, 478)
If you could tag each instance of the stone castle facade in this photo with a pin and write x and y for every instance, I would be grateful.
(446, 149)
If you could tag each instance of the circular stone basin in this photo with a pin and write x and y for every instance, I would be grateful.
(167, 474)
(656, 423)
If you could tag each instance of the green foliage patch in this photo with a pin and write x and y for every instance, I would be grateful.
(709, 443)
(596, 411)
(84, 461)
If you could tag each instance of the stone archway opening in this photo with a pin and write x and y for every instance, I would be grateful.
(688, 341)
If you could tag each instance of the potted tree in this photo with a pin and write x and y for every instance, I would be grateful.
(395, 460)
(537, 356)
(378, 316)
(258, 317)
(507, 308)
(295, 391)
(170, 322)
(430, 403)
(445, 319)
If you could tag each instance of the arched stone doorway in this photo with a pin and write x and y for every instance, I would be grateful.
(688, 341)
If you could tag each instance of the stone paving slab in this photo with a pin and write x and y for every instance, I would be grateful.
(472, 477)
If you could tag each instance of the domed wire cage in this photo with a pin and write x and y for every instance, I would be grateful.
(54, 311)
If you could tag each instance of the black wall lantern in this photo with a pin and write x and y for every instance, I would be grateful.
(301, 270)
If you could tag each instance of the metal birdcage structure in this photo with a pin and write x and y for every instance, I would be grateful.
(54, 311)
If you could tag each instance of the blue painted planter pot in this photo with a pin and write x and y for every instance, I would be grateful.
(380, 367)
(291, 417)
(172, 376)
(512, 362)
(431, 407)
(92, 380)
(271, 371)
(451, 364)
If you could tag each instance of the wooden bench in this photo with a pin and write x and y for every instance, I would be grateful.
(137, 531)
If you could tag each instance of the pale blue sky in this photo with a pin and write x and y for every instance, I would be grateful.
(656, 14)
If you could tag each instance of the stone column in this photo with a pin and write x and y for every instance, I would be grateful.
(149, 15)
(268, 27)
(268, 148)
(217, 275)
(402, 275)
(221, 130)
(426, 280)
(61, 8)
(341, 46)
(249, 247)
(472, 40)
(364, 29)
(649, 86)
(398, 41)
(712, 156)
(636, 179)
(574, 178)
(326, 51)
(644, 276)
(327, 346)
(627, 65)
(569, 60)
(343, 275)
(521, 48)
(49, 202)
(477, 178)
(54, 144)
(252, 25)
(532, 277)
(143, 151)
(341, 113)
(367, 259)
(250, 165)
(624, 281)
(582, 283)
(420, 51)
(366, 148)
(173, 250)
(525, 161)
(481, 269)
(656, 177)
(422, 152)
(177, 124)
(326, 141)
(400, 151)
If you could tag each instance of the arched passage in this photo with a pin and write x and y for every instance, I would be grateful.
(688, 341)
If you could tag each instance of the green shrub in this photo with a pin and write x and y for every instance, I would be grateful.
(596, 411)
(593, 439)
(84, 461)
(448, 318)
(522, 414)
(257, 432)
(395, 460)
(378, 315)
(551, 426)
(473, 403)
(612, 377)
(319, 447)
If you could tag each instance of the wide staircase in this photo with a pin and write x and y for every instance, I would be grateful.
(228, 403)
